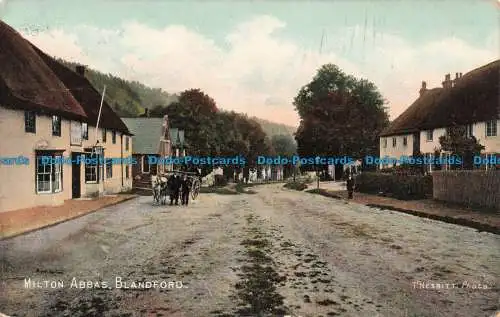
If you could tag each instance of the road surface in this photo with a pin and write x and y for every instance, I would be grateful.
(267, 252)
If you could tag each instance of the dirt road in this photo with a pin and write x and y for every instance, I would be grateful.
(268, 252)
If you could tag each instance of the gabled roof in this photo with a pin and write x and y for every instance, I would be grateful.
(26, 82)
(88, 97)
(147, 133)
(474, 98)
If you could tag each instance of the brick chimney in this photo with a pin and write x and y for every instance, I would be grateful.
(457, 77)
(80, 69)
(424, 88)
(447, 83)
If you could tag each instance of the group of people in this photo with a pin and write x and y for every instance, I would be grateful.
(179, 186)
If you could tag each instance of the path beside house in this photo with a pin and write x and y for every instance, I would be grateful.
(428, 208)
(16, 222)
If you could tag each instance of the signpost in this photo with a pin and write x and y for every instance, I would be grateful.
(76, 133)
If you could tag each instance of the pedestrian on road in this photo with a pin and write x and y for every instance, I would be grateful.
(185, 189)
(350, 186)
(174, 187)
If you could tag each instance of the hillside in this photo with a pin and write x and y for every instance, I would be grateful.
(272, 128)
(130, 98)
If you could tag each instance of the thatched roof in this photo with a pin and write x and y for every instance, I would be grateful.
(30, 79)
(26, 82)
(474, 98)
(88, 97)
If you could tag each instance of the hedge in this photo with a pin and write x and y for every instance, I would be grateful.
(297, 185)
(405, 187)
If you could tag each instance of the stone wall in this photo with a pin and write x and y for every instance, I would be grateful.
(472, 188)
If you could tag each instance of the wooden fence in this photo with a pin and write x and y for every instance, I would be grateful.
(471, 188)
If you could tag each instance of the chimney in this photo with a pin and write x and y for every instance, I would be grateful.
(447, 81)
(80, 69)
(424, 88)
(457, 77)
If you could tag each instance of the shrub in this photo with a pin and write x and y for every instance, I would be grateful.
(297, 185)
(220, 180)
(406, 187)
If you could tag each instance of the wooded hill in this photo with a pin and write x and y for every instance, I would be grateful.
(130, 98)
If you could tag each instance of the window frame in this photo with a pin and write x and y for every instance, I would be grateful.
(394, 142)
(492, 129)
(29, 117)
(85, 131)
(55, 173)
(109, 168)
(429, 135)
(56, 125)
(90, 167)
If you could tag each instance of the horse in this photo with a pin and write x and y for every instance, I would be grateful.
(160, 189)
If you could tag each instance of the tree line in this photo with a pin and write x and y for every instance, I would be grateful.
(210, 131)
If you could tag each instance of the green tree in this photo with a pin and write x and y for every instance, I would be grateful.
(340, 115)
(457, 143)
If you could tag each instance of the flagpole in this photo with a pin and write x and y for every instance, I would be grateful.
(99, 116)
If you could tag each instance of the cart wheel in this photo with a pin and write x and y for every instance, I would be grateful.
(195, 190)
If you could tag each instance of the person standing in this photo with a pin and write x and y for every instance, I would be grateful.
(350, 187)
(174, 189)
(185, 189)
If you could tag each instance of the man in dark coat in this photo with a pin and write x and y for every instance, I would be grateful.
(350, 187)
(174, 186)
(185, 189)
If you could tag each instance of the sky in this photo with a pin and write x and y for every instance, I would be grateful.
(254, 56)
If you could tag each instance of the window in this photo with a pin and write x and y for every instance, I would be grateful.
(30, 121)
(491, 128)
(393, 142)
(385, 143)
(92, 170)
(85, 131)
(104, 132)
(56, 125)
(126, 143)
(127, 172)
(109, 168)
(145, 164)
(405, 141)
(429, 135)
(48, 173)
(113, 137)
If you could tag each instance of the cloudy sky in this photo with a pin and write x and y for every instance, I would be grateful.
(253, 56)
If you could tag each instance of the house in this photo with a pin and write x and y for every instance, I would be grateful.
(471, 101)
(49, 112)
(151, 139)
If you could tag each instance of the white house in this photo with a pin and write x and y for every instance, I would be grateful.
(471, 100)
(48, 110)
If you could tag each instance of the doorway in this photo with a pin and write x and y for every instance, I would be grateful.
(76, 175)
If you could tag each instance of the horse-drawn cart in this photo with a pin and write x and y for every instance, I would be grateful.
(161, 190)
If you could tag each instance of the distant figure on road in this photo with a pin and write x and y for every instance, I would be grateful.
(350, 186)
(185, 189)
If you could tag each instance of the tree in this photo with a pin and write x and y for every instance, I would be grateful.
(340, 115)
(457, 143)
(284, 145)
